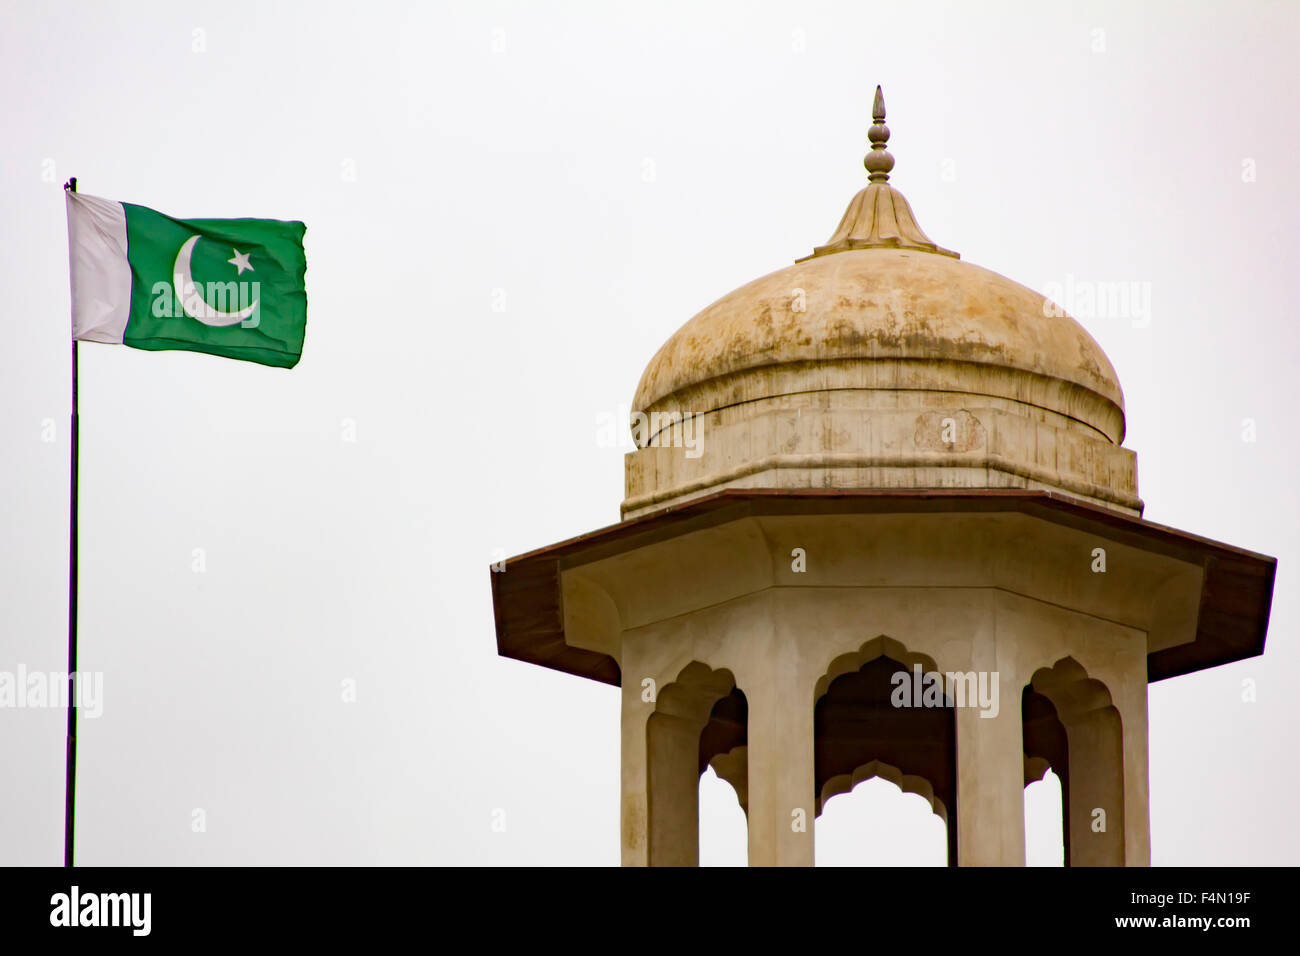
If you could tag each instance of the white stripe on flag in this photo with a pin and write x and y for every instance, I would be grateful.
(101, 274)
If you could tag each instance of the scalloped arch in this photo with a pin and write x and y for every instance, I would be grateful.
(908, 783)
(879, 646)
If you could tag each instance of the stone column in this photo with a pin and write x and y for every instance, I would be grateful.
(661, 784)
(782, 802)
(990, 816)
(634, 809)
(991, 785)
(1096, 816)
(1132, 706)
(673, 779)
(661, 765)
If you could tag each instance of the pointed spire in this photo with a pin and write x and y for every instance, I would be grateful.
(878, 162)
(879, 217)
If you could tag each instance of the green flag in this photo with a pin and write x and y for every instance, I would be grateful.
(231, 287)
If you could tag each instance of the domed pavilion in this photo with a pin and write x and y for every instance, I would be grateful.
(880, 521)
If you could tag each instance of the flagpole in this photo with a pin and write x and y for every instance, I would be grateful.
(70, 782)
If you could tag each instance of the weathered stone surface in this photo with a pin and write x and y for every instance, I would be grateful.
(882, 368)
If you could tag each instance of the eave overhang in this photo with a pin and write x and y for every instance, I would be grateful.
(1232, 622)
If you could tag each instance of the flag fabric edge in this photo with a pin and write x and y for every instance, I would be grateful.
(99, 269)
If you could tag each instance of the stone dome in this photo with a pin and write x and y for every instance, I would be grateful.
(880, 361)
(885, 319)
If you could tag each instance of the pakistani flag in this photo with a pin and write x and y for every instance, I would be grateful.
(231, 287)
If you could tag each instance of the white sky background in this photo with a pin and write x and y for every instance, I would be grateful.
(520, 168)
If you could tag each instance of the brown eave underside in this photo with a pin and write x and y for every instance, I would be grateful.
(1235, 598)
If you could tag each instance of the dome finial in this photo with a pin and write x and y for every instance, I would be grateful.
(879, 217)
(878, 161)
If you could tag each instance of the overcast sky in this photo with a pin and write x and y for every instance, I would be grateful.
(509, 208)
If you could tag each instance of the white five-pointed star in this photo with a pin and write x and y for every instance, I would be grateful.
(240, 261)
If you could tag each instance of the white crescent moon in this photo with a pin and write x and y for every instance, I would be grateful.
(192, 301)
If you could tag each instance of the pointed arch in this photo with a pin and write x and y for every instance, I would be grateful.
(697, 717)
(860, 732)
(1071, 724)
